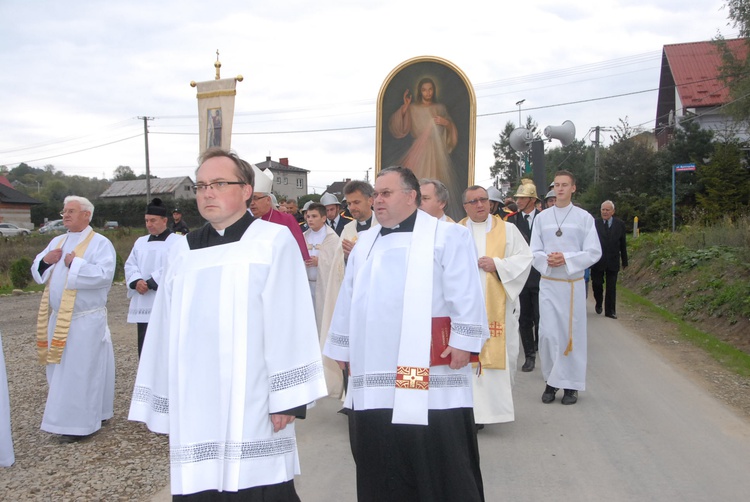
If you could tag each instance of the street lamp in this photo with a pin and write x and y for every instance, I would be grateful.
(518, 104)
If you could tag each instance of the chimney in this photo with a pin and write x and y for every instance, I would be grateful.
(284, 161)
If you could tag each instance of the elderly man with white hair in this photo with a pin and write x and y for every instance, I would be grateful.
(73, 339)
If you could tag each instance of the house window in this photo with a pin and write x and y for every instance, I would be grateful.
(299, 183)
(286, 180)
(187, 188)
(278, 180)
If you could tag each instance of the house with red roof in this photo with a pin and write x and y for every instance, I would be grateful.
(690, 88)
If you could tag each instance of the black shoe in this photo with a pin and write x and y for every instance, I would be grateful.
(529, 364)
(479, 427)
(570, 397)
(598, 309)
(549, 394)
(611, 316)
(67, 438)
(344, 411)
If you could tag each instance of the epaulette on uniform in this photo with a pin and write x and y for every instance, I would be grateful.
(508, 214)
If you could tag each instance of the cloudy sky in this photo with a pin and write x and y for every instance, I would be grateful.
(77, 74)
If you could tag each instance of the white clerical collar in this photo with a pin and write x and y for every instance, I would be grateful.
(487, 223)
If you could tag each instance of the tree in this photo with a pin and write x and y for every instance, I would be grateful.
(124, 173)
(724, 183)
(735, 69)
(506, 159)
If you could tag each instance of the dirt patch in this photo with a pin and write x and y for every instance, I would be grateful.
(694, 362)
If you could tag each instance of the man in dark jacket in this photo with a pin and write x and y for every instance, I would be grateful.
(611, 232)
(528, 321)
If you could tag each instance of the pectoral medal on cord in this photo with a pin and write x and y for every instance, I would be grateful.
(559, 225)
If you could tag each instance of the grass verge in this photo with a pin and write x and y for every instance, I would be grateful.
(731, 358)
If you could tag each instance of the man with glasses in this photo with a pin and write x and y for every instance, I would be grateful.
(411, 424)
(73, 339)
(261, 206)
(503, 265)
(225, 369)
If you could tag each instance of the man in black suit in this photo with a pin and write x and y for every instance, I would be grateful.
(528, 321)
(334, 217)
(611, 232)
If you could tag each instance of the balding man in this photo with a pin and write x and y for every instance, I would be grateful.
(611, 233)
(73, 338)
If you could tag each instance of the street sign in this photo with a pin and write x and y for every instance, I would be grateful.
(684, 167)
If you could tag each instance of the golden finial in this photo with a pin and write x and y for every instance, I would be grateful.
(217, 65)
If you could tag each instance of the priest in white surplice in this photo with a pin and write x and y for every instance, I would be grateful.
(564, 243)
(225, 369)
(504, 264)
(73, 338)
(411, 424)
(145, 265)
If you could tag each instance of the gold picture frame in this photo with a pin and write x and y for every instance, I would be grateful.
(432, 132)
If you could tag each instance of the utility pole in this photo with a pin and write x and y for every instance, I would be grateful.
(148, 170)
(596, 156)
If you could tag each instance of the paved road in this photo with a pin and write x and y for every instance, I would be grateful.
(642, 431)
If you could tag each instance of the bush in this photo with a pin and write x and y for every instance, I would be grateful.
(119, 268)
(20, 273)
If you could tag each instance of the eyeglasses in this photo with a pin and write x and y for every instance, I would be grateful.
(219, 186)
(256, 198)
(387, 193)
(474, 202)
(71, 212)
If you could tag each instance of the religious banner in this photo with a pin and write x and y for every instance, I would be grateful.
(216, 110)
(427, 122)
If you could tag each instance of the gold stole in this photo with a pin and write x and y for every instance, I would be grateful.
(493, 353)
(64, 314)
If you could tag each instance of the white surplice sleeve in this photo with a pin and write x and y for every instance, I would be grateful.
(290, 334)
(591, 250)
(462, 289)
(514, 268)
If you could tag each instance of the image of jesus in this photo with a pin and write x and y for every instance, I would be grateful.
(433, 132)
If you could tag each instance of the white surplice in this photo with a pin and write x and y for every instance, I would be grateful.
(367, 320)
(580, 246)
(82, 387)
(7, 456)
(334, 377)
(231, 340)
(147, 260)
(493, 396)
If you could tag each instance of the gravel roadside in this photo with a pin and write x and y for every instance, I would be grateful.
(123, 461)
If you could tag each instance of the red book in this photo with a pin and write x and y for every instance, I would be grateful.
(441, 333)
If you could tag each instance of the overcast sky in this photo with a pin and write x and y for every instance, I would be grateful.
(77, 74)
